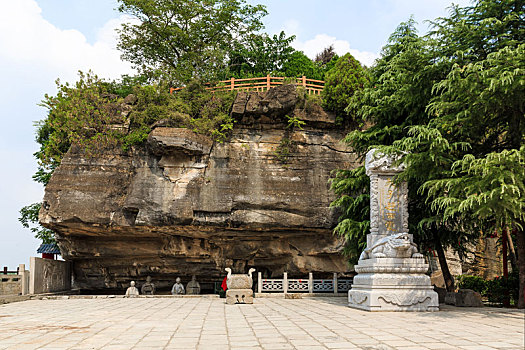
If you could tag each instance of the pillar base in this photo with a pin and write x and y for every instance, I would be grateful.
(239, 296)
(392, 284)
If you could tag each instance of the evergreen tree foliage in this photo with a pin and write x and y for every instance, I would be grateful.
(353, 199)
(341, 82)
(452, 103)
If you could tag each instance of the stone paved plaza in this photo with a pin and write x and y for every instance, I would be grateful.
(270, 323)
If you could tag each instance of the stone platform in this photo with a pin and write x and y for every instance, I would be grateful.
(393, 284)
(239, 296)
(204, 323)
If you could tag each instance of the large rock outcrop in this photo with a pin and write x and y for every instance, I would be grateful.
(182, 204)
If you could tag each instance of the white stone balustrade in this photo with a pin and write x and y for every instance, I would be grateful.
(303, 285)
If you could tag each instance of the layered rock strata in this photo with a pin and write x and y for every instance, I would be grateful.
(183, 205)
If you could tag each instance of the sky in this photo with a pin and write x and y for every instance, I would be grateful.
(42, 40)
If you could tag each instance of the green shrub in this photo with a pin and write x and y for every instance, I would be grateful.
(295, 122)
(282, 152)
(496, 288)
(307, 102)
(475, 283)
(90, 115)
(341, 82)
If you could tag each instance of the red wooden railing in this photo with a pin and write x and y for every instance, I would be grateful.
(311, 86)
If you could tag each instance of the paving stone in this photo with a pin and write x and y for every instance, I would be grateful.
(269, 323)
(277, 346)
(339, 345)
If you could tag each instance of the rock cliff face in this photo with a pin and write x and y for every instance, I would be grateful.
(184, 205)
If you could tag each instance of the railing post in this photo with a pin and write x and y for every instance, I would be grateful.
(25, 280)
(5, 270)
(232, 83)
(304, 81)
(268, 82)
(259, 282)
(335, 282)
(310, 282)
(285, 282)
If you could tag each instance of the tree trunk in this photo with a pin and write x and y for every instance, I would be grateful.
(506, 298)
(449, 280)
(512, 251)
(520, 240)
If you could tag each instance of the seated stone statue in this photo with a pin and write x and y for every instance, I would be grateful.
(193, 287)
(132, 291)
(148, 288)
(178, 288)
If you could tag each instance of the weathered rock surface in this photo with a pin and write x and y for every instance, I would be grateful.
(183, 205)
(464, 298)
(468, 298)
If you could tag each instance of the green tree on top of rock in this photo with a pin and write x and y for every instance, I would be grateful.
(181, 40)
(341, 82)
(299, 64)
(259, 55)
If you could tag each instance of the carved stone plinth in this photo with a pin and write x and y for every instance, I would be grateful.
(393, 284)
(239, 296)
(391, 271)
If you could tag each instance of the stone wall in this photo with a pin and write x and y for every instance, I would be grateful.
(48, 276)
(15, 284)
(10, 284)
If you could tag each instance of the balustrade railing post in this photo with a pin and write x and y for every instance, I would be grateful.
(25, 280)
(304, 81)
(335, 282)
(310, 282)
(285, 282)
(259, 282)
(232, 83)
(268, 82)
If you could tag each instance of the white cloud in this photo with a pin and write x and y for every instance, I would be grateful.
(26, 38)
(321, 41)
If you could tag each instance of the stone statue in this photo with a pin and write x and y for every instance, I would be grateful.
(178, 288)
(394, 246)
(239, 287)
(132, 291)
(148, 288)
(193, 287)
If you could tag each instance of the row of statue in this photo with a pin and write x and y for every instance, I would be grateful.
(148, 288)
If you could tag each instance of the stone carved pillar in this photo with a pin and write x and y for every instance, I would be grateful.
(388, 203)
(391, 272)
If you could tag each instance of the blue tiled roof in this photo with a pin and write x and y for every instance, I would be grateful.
(49, 248)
